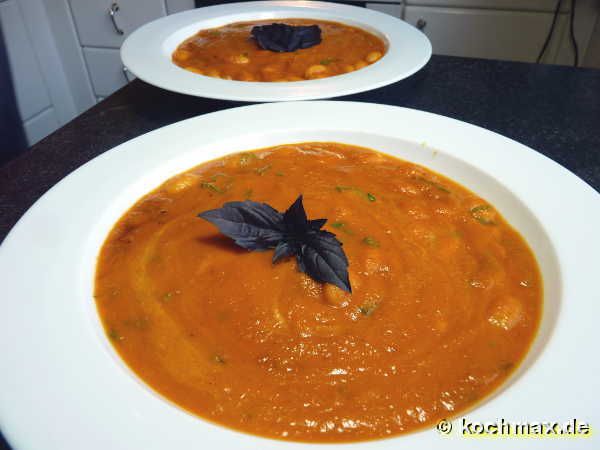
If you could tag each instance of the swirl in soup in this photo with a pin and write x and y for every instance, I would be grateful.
(446, 297)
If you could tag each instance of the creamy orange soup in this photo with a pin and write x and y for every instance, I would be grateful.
(446, 297)
(230, 52)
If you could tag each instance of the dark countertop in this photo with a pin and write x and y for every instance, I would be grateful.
(555, 110)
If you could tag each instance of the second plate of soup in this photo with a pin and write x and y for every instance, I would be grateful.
(210, 52)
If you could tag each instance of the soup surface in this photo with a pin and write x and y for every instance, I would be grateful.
(446, 297)
(230, 52)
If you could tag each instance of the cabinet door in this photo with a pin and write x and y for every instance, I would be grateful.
(40, 125)
(478, 33)
(106, 70)
(96, 28)
(28, 82)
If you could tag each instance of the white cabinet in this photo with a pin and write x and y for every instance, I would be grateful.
(175, 6)
(480, 33)
(513, 30)
(506, 5)
(34, 103)
(64, 54)
(393, 9)
(31, 93)
(106, 23)
(41, 125)
(101, 27)
(106, 70)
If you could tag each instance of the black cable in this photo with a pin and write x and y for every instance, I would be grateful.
(572, 33)
(551, 32)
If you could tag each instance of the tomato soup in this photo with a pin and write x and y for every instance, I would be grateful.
(446, 297)
(230, 52)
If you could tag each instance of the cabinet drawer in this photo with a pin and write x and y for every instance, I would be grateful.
(106, 70)
(95, 27)
(393, 9)
(509, 35)
(175, 6)
(519, 5)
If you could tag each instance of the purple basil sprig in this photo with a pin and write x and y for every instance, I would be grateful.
(259, 227)
(279, 37)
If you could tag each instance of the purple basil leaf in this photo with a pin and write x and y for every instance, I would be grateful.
(283, 250)
(296, 222)
(279, 37)
(294, 219)
(257, 226)
(310, 36)
(322, 258)
(254, 226)
(316, 224)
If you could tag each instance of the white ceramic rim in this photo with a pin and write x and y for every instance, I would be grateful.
(147, 51)
(62, 385)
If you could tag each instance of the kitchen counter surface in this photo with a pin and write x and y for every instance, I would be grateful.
(555, 110)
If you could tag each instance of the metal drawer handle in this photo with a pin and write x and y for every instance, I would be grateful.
(421, 23)
(112, 12)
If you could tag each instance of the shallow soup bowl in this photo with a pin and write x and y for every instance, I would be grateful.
(147, 52)
(66, 381)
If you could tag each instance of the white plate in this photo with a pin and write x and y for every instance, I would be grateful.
(62, 386)
(147, 52)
